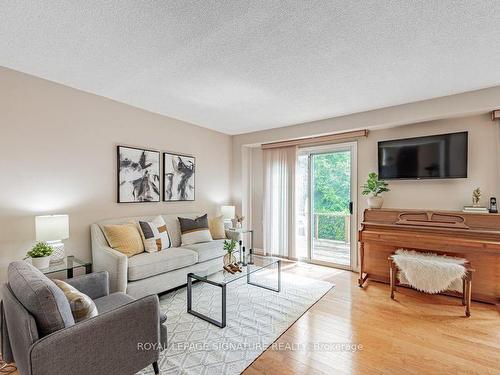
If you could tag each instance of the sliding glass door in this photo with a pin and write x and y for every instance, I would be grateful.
(325, 204)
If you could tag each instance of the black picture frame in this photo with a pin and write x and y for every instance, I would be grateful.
(120, 196)
(173, 186)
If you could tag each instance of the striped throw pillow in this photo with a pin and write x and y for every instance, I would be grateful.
(155, 235)
(194, 230)
(82, 306)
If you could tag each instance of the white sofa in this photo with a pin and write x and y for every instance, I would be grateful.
(152, 273)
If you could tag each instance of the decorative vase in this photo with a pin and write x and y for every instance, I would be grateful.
(229, 259)
(375, 202)
(234, 223)
(41, 262)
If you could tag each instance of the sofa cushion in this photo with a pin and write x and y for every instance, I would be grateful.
(208, 250)
(112, 301)
(40, 296)
(145, 265)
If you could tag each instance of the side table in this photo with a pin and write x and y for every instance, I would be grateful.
(68, 264)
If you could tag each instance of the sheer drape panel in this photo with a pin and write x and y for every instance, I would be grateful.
(279, 201)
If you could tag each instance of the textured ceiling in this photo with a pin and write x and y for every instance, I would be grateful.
(240, 66)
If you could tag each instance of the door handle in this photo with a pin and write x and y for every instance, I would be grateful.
(351, 207)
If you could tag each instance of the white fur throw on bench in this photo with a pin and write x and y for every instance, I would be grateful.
(428, 272)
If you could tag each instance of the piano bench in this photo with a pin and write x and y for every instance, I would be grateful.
(466, 283)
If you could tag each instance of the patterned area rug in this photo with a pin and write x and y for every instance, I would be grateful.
(256, 317)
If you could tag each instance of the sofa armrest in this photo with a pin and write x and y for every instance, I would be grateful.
(104, 258)
(95, 285)
(121, 341)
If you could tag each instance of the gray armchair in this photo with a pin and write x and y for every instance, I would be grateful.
(40, 335)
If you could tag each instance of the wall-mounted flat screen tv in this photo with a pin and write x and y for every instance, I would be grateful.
(436, 156)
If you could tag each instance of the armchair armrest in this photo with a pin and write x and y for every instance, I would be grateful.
(120, 341)
(95, 285)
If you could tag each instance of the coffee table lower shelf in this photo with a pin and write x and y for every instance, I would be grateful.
(223, 285)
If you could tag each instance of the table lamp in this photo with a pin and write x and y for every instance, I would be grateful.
(53, 229)
(228, 212)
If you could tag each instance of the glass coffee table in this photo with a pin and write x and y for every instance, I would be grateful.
(220, 278)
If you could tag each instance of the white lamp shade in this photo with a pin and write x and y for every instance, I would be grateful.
(52, 227)
(228, 212)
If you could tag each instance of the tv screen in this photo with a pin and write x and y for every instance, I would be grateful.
(436, 156)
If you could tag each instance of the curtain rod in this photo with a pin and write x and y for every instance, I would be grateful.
(317, 140)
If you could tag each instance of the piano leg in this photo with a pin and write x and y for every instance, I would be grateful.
(361, 280)
(469, 293)
(464, 294)
(391, 272)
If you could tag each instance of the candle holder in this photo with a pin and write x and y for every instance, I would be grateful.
(244, 263)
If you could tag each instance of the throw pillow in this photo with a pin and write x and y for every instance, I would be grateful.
(82, 306)
(194, 230)
(154, 235)
(216, 226)
(124, 238)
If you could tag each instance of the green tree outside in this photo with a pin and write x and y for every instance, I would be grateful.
(332, 183)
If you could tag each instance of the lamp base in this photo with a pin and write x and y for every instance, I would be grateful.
(59, 254)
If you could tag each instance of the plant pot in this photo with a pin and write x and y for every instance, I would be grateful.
(41, 263)
(229, 259)
(375, 202)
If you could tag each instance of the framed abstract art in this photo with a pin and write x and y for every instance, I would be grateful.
(178, 177)
(138, 175)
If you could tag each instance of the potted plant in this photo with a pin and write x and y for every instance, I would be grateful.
(229, 247)
(40, 255)
(373, 188)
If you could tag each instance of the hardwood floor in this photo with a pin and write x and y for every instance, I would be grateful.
(415, 334)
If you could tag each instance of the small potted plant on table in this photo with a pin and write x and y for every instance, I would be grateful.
(229, 247)
(40, 255)
(373, 188)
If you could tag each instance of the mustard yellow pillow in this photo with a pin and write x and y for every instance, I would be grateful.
(216, 227)
(124, 238)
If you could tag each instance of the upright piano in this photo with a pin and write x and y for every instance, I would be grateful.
(474, 236)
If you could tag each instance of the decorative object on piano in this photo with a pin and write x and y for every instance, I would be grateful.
(229, 247)
(238, 222)
(493, 206)
(373, 188)
(431, 273)
(476, 196)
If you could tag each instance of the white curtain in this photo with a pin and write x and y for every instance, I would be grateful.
(279, 201)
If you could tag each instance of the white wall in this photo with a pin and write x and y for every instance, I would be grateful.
(447, 194)
(58, 155)
(450, 194)
(461, 105)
